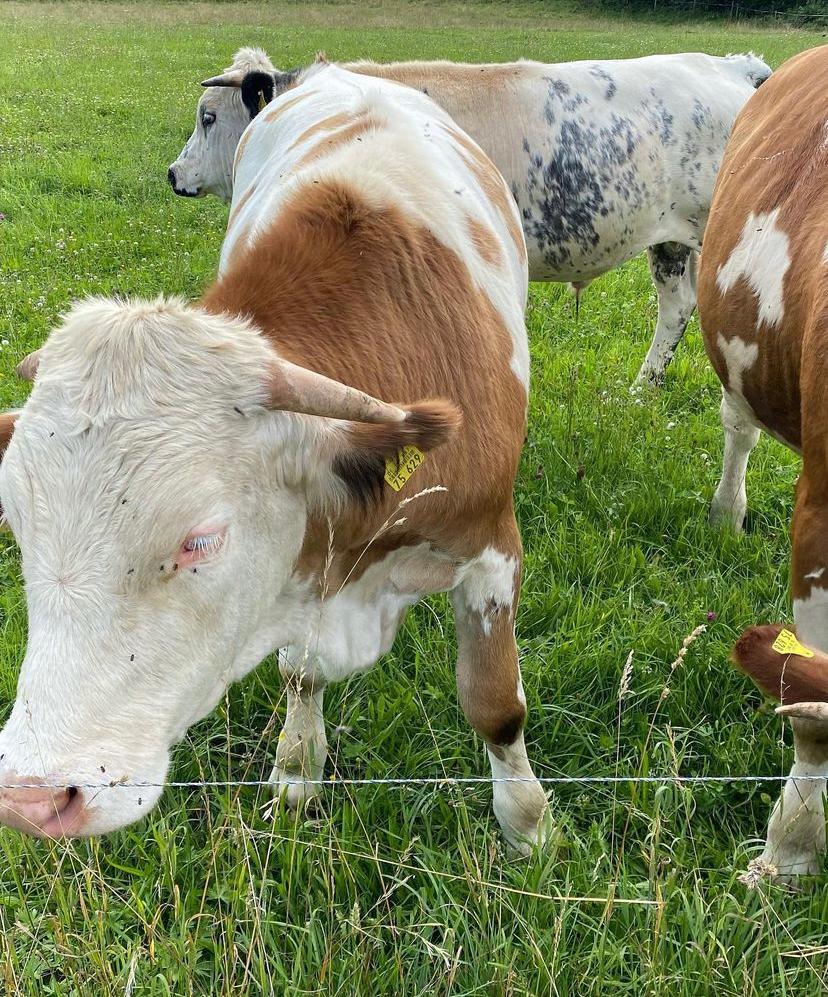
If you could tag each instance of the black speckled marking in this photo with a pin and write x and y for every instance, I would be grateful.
(601, 74)
(569, 188)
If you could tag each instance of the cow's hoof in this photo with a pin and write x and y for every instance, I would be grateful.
(790, 875)
(295, 791)
(647, 377)
(524, 815)
(727, 514)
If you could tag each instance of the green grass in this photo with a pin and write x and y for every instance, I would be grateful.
(407, 890)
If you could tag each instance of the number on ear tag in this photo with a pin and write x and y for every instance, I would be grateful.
(786, 643)
(398, 470)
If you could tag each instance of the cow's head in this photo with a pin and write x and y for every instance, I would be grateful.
(229, 104)
(158, 482)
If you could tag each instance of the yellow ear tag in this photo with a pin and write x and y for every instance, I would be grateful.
(786, 643)
(399, 470)
(262, 101)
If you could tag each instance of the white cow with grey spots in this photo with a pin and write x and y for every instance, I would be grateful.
(605, 159)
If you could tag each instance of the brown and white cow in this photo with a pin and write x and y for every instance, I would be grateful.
(194, 486)
(605, 159)
(763, 304)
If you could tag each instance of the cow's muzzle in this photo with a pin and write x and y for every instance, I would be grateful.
(181, 191)
(44, 812)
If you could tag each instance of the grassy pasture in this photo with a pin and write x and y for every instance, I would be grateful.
(407, 890)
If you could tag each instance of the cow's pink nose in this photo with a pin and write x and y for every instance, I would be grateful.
(43, 812)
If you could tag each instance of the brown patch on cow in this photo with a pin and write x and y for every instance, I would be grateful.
(350, 133)
(367, 296)
(485, 242)
(277, 108)
(492, 184)
(240, 204)
(328, 124)
(240, 150)
(439, 77)
(790, 678)
(7, 422)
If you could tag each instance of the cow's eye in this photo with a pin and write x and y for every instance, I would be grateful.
(200, 545)
(207, 118)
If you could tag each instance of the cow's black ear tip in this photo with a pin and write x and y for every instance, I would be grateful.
(257, 90)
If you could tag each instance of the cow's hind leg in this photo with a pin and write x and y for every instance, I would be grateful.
(729, 502)
(490, 689)
(673, 269)
(303, 747)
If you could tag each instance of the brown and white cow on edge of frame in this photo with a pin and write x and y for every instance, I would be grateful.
(193, 487)
(763, 305)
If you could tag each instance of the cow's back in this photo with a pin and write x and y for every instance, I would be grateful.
(603, 158)
(762, 278)
(408, 251)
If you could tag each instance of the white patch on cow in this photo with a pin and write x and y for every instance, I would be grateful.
(816, 573)
(811, 618)
(489, 585)
(762, 257)
(520, 806)
(349, 630)
(739, 357)
(825, 254)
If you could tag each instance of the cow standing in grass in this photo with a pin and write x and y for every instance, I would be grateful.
(604, 159)
(193, 487)
(763, 304)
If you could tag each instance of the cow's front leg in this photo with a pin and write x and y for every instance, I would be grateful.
(796, 833)
(303, 747)
(490, 689)
(673, 269)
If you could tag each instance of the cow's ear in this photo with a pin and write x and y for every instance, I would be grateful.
(257, 91)
(27, 368)
(781, 666)
(371, 457)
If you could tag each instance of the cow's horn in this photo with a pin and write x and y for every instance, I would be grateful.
(232, 78)
(297, 389)
(27, 368)
(804, 711)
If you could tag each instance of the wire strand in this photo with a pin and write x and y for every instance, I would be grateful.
(436, 781)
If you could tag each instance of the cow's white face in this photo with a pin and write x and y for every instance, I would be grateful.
(205, 164)
(158, 525)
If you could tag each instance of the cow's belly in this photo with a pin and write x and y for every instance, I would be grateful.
(760, 381)
(591, 205)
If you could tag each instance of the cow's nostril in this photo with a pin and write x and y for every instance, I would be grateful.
(71, 793)
(171, 176)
